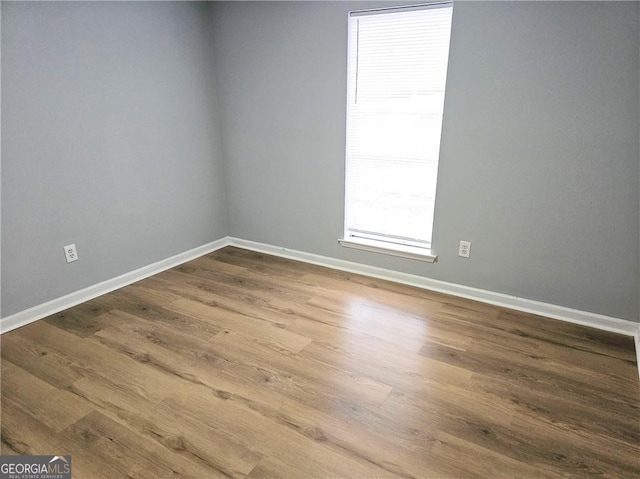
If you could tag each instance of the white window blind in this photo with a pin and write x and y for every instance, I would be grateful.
(397, 74)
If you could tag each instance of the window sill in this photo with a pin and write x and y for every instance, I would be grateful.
(411, 252)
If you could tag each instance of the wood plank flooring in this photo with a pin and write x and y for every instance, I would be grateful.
(240, 365)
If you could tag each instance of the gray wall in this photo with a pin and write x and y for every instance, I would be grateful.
(110, 140)
(539, 159)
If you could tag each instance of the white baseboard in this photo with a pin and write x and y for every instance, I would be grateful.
(584, 318)
(54, 306)
(562, 313)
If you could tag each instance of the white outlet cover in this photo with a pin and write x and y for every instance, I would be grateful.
(70, 253)
(465, 249)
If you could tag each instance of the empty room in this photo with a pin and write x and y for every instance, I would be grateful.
(320, 239)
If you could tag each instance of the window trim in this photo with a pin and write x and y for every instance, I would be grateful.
(392, 249)
(401, 8)
(421, 253)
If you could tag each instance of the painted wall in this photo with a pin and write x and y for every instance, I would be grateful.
(540, 151)
(110, 140)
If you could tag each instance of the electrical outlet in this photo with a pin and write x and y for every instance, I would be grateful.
(71, 253)
(465, 249)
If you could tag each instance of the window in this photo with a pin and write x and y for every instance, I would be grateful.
(397, 74)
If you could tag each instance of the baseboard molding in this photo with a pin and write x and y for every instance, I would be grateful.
(54, 306)
(584, 318)
(562, 313)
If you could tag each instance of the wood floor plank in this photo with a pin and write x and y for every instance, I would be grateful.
(263, 263)
(264, 435)
(519, 343)
(520, 439)
(584, 453)
(123, 448)
(244, 365)
(326, 382)
(396, 370)
(249, 277)
(181, 287)
(135, 302)
(481, 462)
(25, 435)
(39, 360)
(554, 409)
(540, 373)
(344, 435)
(377, 319)
(79, 320)
(582, 338)
(56, 408)
(230, 321)
(169, 428)
(246, 285)
(90, 359)
(227, 369)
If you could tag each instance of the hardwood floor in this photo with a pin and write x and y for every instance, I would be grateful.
(239, 365)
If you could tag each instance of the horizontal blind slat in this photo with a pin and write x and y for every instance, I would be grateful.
(398, 66)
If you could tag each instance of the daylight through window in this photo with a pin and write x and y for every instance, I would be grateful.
(397, 74)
